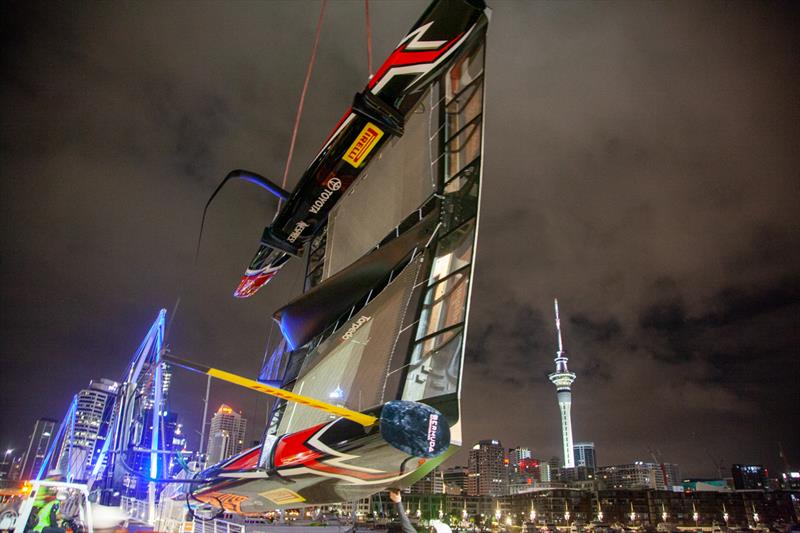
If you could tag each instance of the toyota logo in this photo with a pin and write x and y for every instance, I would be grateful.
(334, 184)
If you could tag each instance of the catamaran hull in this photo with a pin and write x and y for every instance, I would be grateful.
(332, 462)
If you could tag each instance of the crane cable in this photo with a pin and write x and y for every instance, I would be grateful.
(299, 113)
(369, 38)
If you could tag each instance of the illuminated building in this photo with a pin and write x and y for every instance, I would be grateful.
(487, 471)
(44, 431)
(639, 475)
(585, 455)
(562, 378)
(226, 436)
(749, 477)
(524, 471)
(87, 431)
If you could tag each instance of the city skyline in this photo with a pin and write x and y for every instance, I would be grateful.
(656, 197)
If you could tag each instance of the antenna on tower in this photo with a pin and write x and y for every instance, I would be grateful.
(558, 328)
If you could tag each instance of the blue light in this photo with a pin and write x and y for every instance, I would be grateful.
(70, 414)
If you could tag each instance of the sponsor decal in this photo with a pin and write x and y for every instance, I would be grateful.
(282, 496)
(298, 229)
(333, 185)
(363, 145)
(354, 327)
(433, 426)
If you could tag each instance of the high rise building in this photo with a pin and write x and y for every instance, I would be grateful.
(515, 455)
(226, 436)
(562, 378)
(523, 470)
(87, 431)
(585, 455)
(6, 462)
(487, 472)
(749, 477)
(44, 431)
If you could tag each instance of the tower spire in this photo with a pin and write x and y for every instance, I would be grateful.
(562, 378)
(558, 328)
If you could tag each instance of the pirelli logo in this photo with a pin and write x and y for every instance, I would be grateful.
(363, 145)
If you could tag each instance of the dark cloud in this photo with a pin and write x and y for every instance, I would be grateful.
(641, 166)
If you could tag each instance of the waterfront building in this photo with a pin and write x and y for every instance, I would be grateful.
(544, 472)
(789, 481)
(562, 378)
(226, 436)
(455, 480)
(87, 430)
(44, 431)
(585, 455)
(639, 475)
(749, 477)
(643, 508)
(487, 472)
(432, 483)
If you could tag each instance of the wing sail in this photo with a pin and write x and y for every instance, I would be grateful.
(401, 337)
(378, 116)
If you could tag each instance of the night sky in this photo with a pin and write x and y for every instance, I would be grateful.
(642, 165)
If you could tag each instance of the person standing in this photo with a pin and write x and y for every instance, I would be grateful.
(405, 524)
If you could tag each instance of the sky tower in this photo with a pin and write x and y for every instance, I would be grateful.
(562, 378)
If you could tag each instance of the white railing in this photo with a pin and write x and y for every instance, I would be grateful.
(217, 526)
(136, 509)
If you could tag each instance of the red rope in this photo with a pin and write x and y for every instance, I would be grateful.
(303, 95)
(369, 38)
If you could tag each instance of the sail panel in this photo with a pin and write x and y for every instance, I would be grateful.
(350, 366)
(397, 181)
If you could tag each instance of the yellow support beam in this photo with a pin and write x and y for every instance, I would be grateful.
(355, 416)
